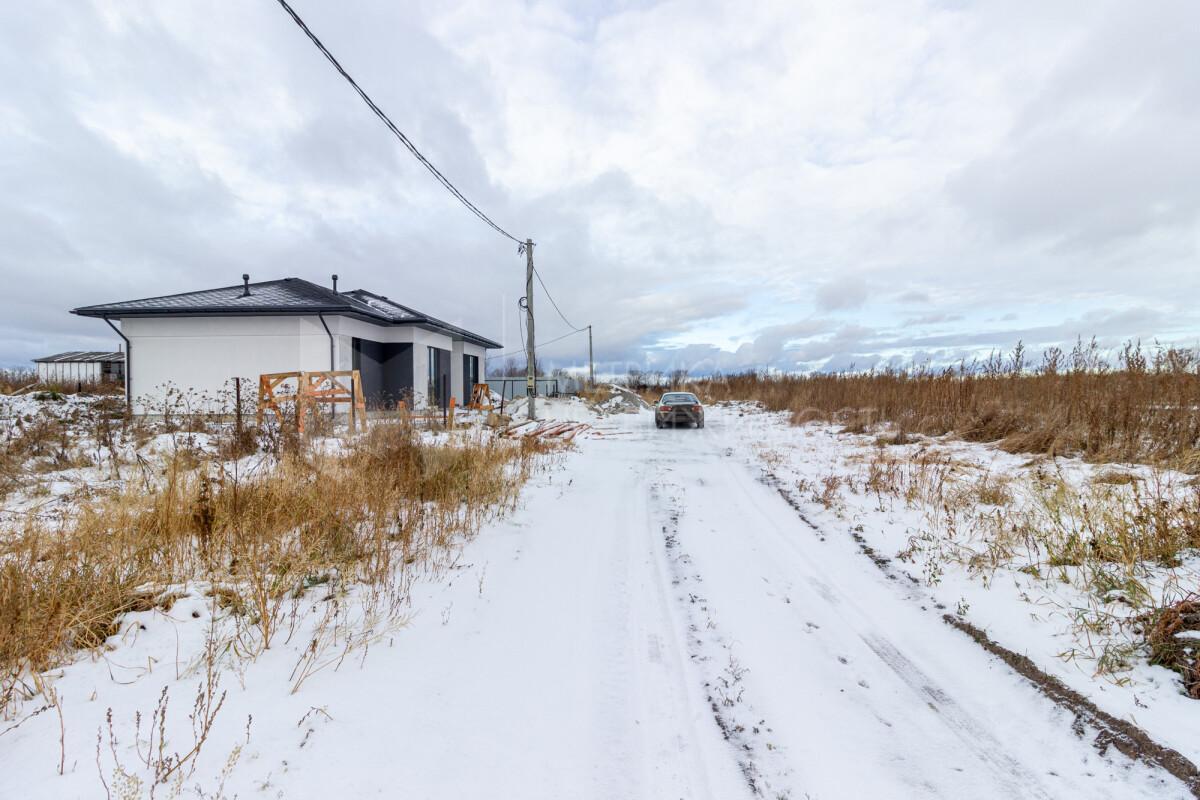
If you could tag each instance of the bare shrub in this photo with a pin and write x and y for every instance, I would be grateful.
(806, 415)
(1164, 631)
(26, 380)
(12, 380)
(1115, 477)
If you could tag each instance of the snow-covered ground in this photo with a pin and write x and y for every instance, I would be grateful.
(657, 620)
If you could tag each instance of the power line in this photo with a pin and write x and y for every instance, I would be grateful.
(539, 344)
(560, 338)
(550, 297)
(442, 179)
(521, 326)
(574, 329)
(522, 246)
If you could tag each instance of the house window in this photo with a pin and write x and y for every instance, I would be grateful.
(470, 375)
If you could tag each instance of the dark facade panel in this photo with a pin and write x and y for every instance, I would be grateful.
(386, 371)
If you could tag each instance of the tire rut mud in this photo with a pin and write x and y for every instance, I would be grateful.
(1126, 737)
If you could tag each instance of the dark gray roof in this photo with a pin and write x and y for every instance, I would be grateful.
(81, 355)
(399, 313)
(287, 295)
(284, 296)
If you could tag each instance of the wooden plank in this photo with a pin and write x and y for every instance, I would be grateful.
(569, 437)
(548, 428)
(513, 428)
(313, 389)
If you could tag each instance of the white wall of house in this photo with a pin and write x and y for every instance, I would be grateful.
(205, 353)
(477, 351)
(456, 371)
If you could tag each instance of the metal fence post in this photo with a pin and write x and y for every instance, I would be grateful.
(237, 408)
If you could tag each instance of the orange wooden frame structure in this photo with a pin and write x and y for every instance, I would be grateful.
(313, 389)
(481, 398)
(446, 414)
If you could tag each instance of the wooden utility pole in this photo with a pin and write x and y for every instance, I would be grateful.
(530, 356)
(591, 363)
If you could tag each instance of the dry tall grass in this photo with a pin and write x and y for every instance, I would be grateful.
(386, 506)
(1144, 409)
(13, 380)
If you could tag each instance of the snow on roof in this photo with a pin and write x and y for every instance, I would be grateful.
(384, 306)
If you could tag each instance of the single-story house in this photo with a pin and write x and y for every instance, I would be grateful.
(201, 340)
(81, 366)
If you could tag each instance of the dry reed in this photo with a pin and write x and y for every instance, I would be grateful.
(1144, 409)
(20, 379)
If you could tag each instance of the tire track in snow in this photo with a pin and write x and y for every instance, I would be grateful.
(985, 747)
(760, 762)
(610, 647)
(704, 749)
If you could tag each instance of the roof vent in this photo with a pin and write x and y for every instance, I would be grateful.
(335, 283)
(245, 284)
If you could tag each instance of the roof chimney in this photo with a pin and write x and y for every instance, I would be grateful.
(335, 283)
(245, 284)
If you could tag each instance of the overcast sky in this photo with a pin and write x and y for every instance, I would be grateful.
(796, 185)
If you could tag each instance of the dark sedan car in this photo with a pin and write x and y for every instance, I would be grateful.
(678, 407)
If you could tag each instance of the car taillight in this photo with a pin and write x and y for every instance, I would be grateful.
(696, 409)
(664, 408)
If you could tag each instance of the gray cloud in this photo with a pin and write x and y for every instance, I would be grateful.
(933, 319)
(1103, 151)
(842, 294)
(913, 297)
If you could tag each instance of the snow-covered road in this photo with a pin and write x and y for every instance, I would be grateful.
(653, 622)
(657, 623)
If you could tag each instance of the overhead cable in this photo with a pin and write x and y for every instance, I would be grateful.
(442, 179)
(539, 344)
(550, 297)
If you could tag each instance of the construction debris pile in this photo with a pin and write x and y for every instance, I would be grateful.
(549, 429)
(621, 401)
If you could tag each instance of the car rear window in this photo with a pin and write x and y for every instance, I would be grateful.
(679, 397)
